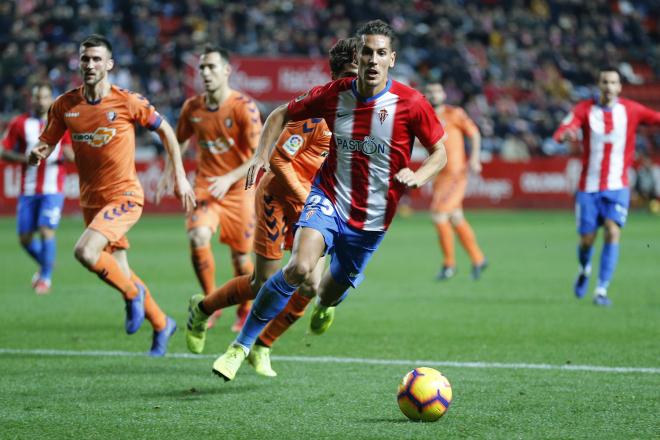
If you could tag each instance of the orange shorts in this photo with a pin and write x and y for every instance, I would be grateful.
(448, 192)
(114, 220)
(275, 221)
(234, 214)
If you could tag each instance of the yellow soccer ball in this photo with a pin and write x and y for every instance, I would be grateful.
(424, 394)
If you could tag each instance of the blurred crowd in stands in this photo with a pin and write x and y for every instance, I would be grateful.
(517, 66)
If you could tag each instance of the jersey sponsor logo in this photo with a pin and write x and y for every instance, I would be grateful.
(293, 144)
(228, 123)
(301, 97)
(382, 115)
(71, 114)
(367, 146)
(217, 146)
(100, 137)
(111, 116)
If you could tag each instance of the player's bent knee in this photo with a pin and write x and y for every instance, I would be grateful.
(297, 272)
(440, 217)
(200, 237)
(88, 257)
(456, 217)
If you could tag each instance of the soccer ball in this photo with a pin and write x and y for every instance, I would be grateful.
(424, 394)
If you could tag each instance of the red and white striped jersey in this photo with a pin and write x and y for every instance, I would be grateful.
(21, 137)
(608, 140)
(372, 139)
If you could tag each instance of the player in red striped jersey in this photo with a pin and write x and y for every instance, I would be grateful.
(39, 207)
(608, 125)
(374, 121)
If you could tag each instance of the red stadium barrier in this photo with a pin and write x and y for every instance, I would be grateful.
(538, 183)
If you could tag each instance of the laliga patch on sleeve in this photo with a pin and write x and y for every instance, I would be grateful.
(293, 144)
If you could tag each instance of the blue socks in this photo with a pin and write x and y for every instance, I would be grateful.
(48, 252)
(34, 249)
(608, 260)
(270, 301)
(584, 257)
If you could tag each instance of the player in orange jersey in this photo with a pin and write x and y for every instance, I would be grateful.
(227, 125)
(100, 117)
(281, 194)
(450, 184)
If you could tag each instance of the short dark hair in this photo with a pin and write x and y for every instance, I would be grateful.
(42, 85)
(342, 53)
(377, 27)
(97, 40)
(609, 68)
(211, 48)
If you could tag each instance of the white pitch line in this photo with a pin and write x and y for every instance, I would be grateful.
(341, 360)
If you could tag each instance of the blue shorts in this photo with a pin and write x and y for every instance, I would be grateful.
(592, 208)
(349, 248)
(33, 212)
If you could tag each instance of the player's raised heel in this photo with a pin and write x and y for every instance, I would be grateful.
(445, 273)
(478, 269)
(162, 338)
(196, 325)
(135, 311)
(228, 364)
(581, 285)
(42, 287)
(601, 299)
(259, 358)
(321, 319)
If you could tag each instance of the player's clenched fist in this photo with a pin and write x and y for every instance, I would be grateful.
(39, 153)
(407, 177)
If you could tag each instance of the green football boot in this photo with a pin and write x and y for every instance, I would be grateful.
(259, 358)
(322, 318)
(196, 326)
(228, 364)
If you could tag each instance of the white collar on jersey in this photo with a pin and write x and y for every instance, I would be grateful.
(370, 98)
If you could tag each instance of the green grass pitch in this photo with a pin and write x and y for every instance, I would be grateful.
(67, 369)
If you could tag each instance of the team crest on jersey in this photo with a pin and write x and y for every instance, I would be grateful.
(195, 119)
(293, 144)
(228, 123)
(111, 116)
(382, 115)
(310, 213)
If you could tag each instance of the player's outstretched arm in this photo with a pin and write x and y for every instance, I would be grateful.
(40, 152)
(182, 188)
(271, 130)
(429, 168)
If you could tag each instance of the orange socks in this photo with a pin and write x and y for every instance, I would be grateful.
(234, 291)
(293, 311)
(446, 237)
(204, 265)
(109, 271)
(469, 242)
(152, 312)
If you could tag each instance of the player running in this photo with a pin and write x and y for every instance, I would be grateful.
(608, 124)
(450, 184)
(39, 207)
(226, 124)
(300, 150)
(374, 121)
(100, 117)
